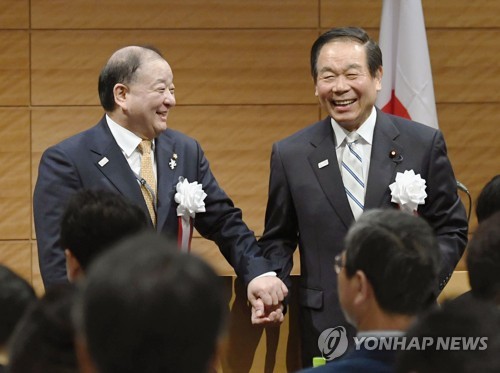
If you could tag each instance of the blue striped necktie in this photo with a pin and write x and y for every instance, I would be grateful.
(352, 174)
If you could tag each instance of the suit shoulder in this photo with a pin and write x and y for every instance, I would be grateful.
(305, 135)
(180, 137)
(409, 126)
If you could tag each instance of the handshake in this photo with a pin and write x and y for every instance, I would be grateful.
(266, 295)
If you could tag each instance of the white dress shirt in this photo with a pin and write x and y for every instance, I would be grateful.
(364, 143)
(128, 142)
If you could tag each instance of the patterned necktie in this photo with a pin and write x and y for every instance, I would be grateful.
(352, 175)
(148, 188)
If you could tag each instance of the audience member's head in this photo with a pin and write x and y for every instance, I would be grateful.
(146, 307)
(16, 294)
(93, 221)
(488, 201)
(389, 271)
(44, 339)
(483, 259)
(465, 337)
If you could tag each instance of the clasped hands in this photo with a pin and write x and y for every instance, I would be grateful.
(266, 295)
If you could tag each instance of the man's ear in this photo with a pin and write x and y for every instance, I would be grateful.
(120, 94)
(73, 267)
(363, 288)
(378, 77)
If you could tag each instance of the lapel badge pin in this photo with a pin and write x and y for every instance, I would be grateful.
(173, 161)
(395, 156)
(103, 162)
(323, 163)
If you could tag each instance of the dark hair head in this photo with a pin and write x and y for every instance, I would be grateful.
(95, 219)
(43, 340)
(399, 255)
(473, 323)
(16, 294)
(356, 34)
(483, 259)
(488, 201)
(122, 68)
(147, 307)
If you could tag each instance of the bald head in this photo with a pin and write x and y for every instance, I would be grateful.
(121, 68)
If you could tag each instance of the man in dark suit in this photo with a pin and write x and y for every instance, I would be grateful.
(310, 206)
(136, 90)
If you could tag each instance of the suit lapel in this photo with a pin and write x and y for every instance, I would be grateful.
(382, 165)
(167, 178)
(108, 158)
(329, 176)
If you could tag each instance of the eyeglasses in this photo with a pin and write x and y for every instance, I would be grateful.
(339, 262)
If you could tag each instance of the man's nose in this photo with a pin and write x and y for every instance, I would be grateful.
(169, 98)
(340, 84)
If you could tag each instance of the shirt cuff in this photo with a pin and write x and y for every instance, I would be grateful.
(272, 273)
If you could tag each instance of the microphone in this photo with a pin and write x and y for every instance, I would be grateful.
(464, 189)
(145, 184)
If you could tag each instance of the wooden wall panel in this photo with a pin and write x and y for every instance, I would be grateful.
(362, 13)
(152, 14)
(465, 65)
(51, 125)
(437, 14)
(210, 67)
(15, 196)
(14, 14)
(14, 71)
(17, 256)
(466, 128)
(461, 13)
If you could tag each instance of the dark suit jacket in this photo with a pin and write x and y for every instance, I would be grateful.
(308, 207)
(74, 164)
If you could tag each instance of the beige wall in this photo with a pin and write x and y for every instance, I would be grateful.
(242, 82)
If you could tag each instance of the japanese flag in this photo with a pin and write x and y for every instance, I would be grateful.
(407, 88)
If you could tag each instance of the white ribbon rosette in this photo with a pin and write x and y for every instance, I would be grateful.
(408, 191)
(190, 197)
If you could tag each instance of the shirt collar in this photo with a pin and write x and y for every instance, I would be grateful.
(365, 131)
(126, 140)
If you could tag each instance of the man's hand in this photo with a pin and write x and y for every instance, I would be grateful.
(266, 295)
(272, 316)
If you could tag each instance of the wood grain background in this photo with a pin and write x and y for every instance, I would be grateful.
(242, 82)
